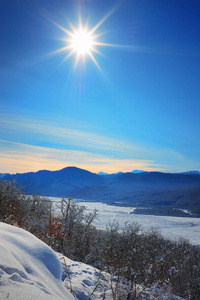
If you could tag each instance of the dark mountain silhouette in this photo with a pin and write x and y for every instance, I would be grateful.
(192, 172)
(134, 171)
(131, 189)
(3, 175)
(151, 181)
(56, 183)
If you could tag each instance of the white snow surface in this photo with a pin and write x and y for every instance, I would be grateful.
(89, 283)
(29, 269)
(85, 281)
(170, 227)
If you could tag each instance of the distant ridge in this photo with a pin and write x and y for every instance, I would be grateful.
(102, 173)
(73, 180)
(120, 172)
(56, 183)
(138, 189)
(3, 174)
(138, 171)
(191, 172)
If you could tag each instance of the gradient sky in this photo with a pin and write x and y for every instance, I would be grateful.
(141, 112)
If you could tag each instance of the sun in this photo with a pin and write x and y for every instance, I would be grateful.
(82, 41)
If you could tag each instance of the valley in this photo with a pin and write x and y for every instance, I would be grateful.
(165, 194)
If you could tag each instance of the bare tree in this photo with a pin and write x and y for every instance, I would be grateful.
(11, 202)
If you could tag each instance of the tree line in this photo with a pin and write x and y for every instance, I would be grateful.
(130, 255)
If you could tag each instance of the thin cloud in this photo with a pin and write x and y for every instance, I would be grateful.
(88, 148)
(18, 157)
(63, 135)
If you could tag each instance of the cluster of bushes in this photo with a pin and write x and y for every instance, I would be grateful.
(16, 208)
(131, 256)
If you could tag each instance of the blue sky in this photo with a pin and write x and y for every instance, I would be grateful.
(141, 111)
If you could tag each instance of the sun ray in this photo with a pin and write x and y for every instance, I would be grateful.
(108, 45)
(61, 50)
(60, 27)
(81, 41)
(94, 60)
(102, 20)
(76, 62)
(98, 35)
(68, 56)
(97, 51)
(72, 26)
(80, 21)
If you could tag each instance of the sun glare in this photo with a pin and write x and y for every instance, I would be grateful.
(82, 41)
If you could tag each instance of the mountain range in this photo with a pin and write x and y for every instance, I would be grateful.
(141, 171)
(179, 190)
(134, 171)
(3, 174)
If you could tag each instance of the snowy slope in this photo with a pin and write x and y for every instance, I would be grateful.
(89, 283)
(29, 269)
(85, 281)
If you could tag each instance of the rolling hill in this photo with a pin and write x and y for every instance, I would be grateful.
(149, 189)
(56, 183)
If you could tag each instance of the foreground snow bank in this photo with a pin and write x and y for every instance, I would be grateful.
(89, 283)
(85, 281)
(29, 269)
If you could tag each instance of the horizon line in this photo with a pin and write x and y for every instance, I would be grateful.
(138, 171)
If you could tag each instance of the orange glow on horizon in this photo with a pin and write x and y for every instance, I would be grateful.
(29, 164)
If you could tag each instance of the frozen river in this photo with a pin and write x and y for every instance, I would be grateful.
(169, 227)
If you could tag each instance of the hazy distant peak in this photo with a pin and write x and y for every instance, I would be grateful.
(193, 172)
(138, 171)
(102, 173)
(120, 172)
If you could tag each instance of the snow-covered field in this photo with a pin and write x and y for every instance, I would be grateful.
(170, 227)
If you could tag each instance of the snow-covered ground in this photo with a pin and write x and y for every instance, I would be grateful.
(88, 283)
(85, 281)
(170, 227)
(29, 269)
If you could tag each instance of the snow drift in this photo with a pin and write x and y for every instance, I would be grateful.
(29, 269)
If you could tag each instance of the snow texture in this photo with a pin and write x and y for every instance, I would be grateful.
(86, 281)
(170, 227)
(29, 269)
(89, 283)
